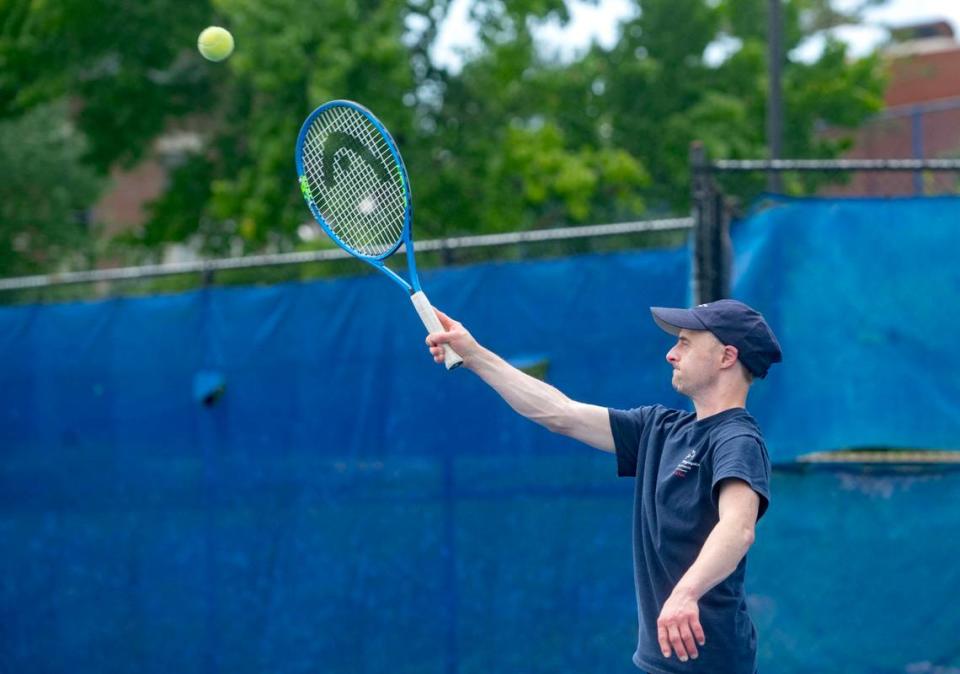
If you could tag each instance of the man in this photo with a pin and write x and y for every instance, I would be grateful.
(702, 478)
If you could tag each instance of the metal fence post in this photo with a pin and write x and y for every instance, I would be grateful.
(711, 241)
(916, 142)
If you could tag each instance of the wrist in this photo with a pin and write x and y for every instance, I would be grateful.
(688, 590)
(475, 359)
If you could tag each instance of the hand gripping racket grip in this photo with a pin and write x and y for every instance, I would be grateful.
(450, 357)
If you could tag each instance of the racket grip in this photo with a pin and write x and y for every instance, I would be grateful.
(425, 310)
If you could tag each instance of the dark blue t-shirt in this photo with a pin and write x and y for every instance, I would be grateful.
(678, 463)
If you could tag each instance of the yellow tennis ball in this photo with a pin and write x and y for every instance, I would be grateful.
(215, 43)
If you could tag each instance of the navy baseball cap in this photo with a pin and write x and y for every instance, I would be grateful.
(734, 324)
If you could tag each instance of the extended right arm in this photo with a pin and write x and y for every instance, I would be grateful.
(528, 396)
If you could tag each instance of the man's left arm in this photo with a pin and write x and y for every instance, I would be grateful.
(679, 622)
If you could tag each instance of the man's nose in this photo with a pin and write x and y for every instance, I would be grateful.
(671, 357)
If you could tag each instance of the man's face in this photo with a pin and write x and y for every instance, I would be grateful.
(696, 360)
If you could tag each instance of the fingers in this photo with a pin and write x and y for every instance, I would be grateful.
(438, 338)
(435, 341)
(452, 332)
(664, 639)
(445, 320)
(680, 637)
(686, 636)
(698, 631)
(677, 642)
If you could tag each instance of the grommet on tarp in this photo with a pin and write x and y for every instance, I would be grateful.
(208, 387)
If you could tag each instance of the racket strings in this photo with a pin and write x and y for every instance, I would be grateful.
(364, 210)
(356, 202)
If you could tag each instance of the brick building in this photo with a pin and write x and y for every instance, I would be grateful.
(922, 117)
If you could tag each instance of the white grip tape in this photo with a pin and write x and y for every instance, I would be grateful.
(425, 310)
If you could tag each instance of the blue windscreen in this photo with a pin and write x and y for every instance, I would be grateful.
(280, 479)
(863, 295)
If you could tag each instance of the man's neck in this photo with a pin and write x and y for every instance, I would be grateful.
(713, 402)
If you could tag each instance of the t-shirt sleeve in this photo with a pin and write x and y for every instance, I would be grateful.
(743, 457)
(627, 425)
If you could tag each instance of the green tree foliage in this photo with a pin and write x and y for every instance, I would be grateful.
(122, 63)
(661, 93)
(511, 146)
(44, 189)
(515, 139)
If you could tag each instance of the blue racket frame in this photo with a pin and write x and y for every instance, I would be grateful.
(377, 261)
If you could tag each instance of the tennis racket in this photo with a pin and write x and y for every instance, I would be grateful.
(356, 186)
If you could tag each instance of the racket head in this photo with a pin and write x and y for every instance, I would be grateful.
(353, 179)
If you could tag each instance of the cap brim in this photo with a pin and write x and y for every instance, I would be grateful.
(675, 320)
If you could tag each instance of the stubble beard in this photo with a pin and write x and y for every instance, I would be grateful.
(689, 389)
(675, 382)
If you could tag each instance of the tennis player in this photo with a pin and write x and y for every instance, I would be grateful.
(702, 478)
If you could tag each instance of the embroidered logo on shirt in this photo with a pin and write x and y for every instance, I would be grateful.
(684, 466)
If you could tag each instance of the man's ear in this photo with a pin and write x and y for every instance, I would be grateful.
(730, 354)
